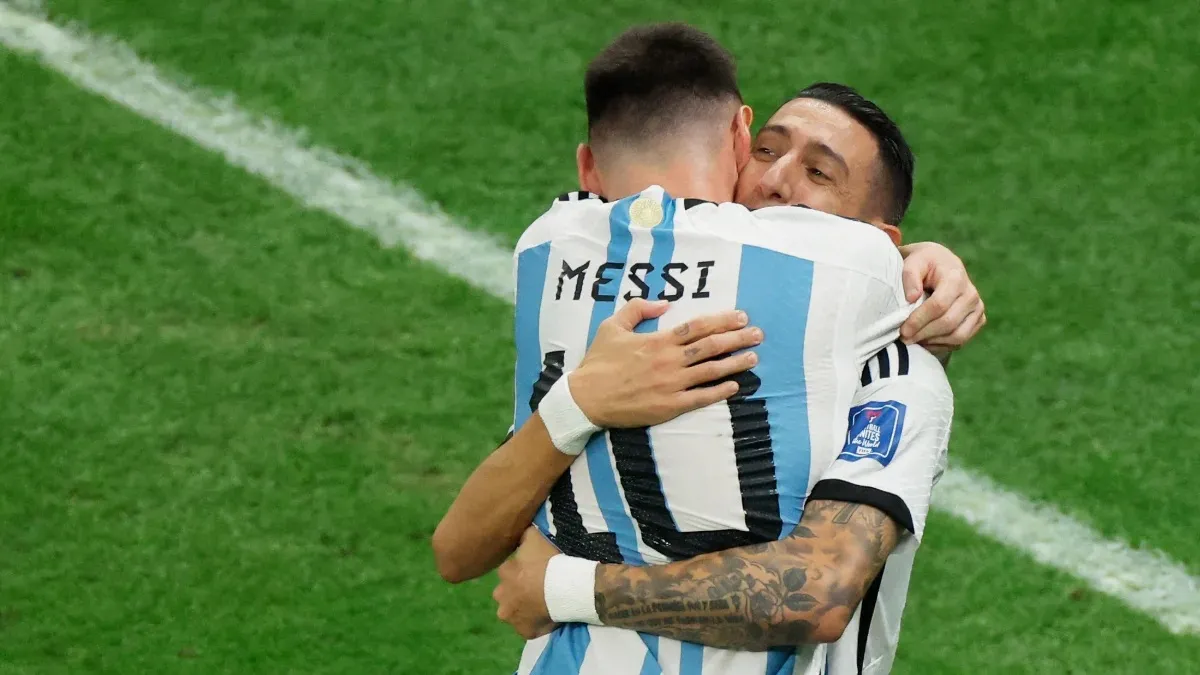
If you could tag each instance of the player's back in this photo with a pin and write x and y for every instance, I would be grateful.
(730, 474)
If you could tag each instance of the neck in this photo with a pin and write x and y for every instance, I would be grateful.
(680, 177)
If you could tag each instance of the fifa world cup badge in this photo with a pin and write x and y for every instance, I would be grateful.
(874, 433)
(867, 440)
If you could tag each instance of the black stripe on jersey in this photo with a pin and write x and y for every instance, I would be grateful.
(835, 490)
(868, 613)
(885, 363)
(690, 202)
(902, 353)
(579, 195)
(754, 458)
(571, 536)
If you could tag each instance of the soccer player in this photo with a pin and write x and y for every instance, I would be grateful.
(831, 149)
(774, 437)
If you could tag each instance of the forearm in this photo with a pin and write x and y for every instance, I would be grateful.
(800, 590)
(497, 503)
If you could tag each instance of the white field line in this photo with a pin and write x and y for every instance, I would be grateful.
(395, 214)
(1146, 580)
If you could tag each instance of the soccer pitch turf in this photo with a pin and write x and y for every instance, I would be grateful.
(231, 422)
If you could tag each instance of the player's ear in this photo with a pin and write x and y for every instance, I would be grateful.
(892, 231)
(585, 165)
(741, 135)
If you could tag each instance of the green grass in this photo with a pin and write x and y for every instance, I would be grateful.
(231, 423)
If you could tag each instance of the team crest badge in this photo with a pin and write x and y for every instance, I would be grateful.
(645, 212)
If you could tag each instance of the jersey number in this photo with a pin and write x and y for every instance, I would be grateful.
(643, 488)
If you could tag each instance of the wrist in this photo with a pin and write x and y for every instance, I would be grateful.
(570, 590)
(569, 427)
(579, 381)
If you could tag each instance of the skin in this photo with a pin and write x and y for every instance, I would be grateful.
(813, 153)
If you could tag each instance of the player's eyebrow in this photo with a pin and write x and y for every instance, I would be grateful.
(829, 152)
(818, 146)
(776, 129)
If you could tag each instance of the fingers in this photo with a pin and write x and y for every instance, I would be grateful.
(721, 343)
(951, 289)
(946, 324)
(711, 371)
(914, 279)
(636, 311)
(966, 331)
(694, 399)
(709, 324)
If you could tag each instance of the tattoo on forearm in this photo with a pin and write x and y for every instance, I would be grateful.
(760, 596)
(845, 514)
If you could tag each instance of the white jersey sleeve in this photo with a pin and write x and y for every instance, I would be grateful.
(875, 289)
(883, 308)
(896, 442)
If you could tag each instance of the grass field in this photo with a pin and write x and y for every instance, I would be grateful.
(230, 423)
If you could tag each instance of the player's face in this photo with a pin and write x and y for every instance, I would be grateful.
(811, 153)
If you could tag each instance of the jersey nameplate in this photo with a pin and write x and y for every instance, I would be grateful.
(678, 280)
(874, 433)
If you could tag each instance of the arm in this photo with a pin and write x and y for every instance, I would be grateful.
(806, 587)
(497, 503)
(626, 379)
(801, 589)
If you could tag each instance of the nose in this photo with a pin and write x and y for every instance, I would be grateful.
(774, 186)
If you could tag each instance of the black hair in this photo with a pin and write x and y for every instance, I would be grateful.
(895, 156)
(654, 78)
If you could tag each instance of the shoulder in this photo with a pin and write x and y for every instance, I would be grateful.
(826, 238)
(567, 212)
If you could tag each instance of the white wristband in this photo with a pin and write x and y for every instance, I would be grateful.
(569, 428)
(570, 590)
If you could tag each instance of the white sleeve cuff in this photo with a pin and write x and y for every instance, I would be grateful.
(570, 590)
(569, 428)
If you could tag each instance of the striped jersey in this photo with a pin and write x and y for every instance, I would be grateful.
(828, 294)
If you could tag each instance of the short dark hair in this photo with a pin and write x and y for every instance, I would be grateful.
(653, 78)
(895, 156)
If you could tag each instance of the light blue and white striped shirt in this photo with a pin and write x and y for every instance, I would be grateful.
(826, 291)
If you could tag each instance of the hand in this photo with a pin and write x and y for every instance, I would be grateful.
(628, 379)
(521, 596)
(950, 317)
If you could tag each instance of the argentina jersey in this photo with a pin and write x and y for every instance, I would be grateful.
(827, 294)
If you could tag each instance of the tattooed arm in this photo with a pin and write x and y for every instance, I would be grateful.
(801, 589)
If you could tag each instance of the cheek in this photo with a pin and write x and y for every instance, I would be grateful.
(826, 200)
(748, 179)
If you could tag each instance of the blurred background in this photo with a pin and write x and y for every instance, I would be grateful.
(230, 419)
